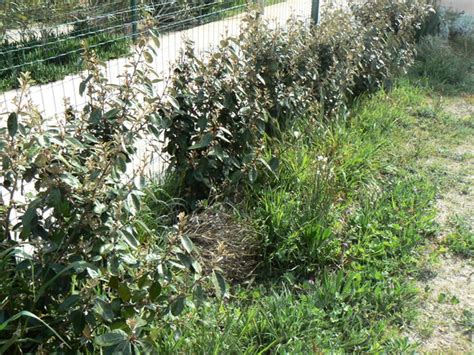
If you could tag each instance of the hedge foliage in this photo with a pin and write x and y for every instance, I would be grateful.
(80, 269)
(229, 104)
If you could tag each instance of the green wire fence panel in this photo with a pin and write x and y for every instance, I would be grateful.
(47, 38)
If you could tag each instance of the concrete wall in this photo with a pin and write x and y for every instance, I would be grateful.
(460, 5)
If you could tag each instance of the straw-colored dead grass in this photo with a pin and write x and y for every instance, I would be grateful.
(225, 243)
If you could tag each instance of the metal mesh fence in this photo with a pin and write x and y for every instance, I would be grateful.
(47, 39)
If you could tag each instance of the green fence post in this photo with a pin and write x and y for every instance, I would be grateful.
(261, 5)
(315, 11)
(133, 6)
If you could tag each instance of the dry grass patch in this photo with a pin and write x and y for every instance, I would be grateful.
(225, 243)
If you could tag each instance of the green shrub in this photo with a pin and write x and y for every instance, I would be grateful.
(389, 31)
(432, 25)
(80, 269)
(231, 104)
(439, 62)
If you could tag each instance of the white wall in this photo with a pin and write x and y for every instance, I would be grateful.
(460, 5)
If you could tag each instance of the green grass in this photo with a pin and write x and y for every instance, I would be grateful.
(343, 224)
(340, 312)
(461, 240)
(343, 168)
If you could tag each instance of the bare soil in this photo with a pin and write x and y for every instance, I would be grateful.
(446, 319)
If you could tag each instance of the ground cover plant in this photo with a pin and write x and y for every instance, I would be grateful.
(51, 37)
(96, 261)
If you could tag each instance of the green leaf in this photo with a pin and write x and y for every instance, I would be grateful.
(173, 102)
(89, 137)
(28, 218)
(124, 348)
(99, 207)
(129, 236)
(113, 282)
(196, 266)
(266, 165)
(75, 142)
(106, 249)
(135, 201)
(274, 163)
(204, 141)
(187, 243)
(69, 302)
(78, 321)
(128, 259)
(185, 260)
(83, 85)
(219, 284)
(153, 130)
(95, 116)
(442, 297)
(148, 57)
(111, 113)
(155, 36)
(155, 290)
(177, 306)
(111, 338)
(253, 174)
(70, 180)
(124, 292)
(454, 300)
(12, 124)
(103, 309)
(121, 163)
(94, 273)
